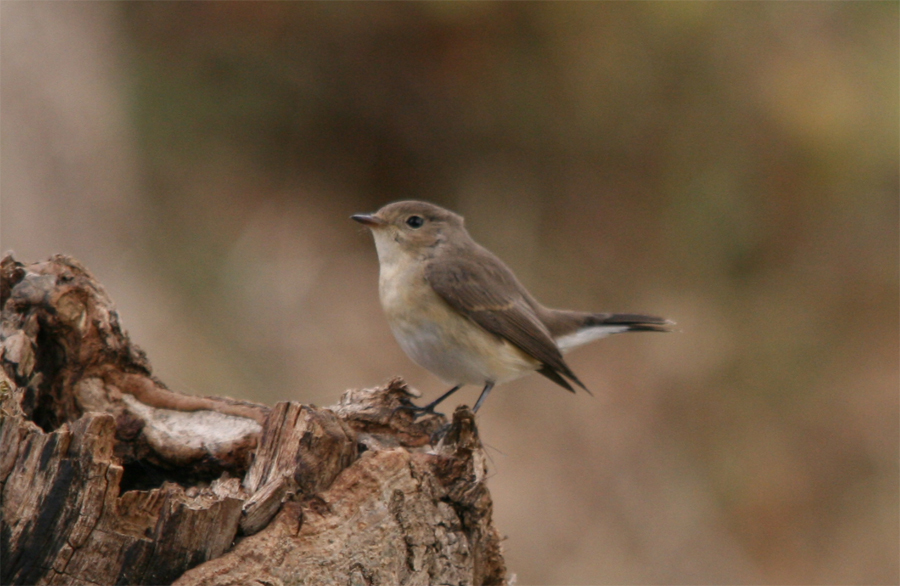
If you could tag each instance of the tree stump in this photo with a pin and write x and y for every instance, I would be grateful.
(109, 477)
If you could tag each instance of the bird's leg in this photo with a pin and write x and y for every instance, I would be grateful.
(483, 396)
(429, 408)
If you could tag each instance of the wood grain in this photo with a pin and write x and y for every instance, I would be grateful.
(109, 477)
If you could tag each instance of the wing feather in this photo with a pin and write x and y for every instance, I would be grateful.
(480, 287)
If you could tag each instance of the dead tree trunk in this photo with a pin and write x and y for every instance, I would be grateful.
(108, 477)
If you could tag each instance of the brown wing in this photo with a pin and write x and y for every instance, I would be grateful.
(483, 289)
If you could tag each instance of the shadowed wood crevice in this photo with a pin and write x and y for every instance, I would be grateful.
(109, 477)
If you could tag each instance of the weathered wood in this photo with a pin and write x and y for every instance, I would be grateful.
(65, 522)
(108, 477)
(394, 517)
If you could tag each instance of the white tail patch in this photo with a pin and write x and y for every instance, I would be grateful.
(585, 335)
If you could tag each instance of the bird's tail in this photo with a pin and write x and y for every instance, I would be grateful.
(593, 326)
(634, 322)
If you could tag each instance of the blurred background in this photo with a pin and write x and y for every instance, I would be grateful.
(731, 166)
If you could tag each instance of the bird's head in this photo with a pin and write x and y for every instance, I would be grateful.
(411, 228)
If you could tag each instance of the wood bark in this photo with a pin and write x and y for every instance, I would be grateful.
(109, 477)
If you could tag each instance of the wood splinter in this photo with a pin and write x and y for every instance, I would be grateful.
(109, 477)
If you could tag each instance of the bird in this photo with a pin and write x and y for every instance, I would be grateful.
(458, 311)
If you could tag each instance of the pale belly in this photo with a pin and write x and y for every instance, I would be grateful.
(437, 338)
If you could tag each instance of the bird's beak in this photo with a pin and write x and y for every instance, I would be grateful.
(369, 220)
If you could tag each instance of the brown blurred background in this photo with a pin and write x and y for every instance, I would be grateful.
(732, 166)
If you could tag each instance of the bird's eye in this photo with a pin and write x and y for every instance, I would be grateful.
(415, 222)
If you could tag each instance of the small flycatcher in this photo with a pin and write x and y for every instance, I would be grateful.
(459, 312)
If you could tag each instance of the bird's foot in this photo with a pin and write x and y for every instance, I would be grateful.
(417, 411)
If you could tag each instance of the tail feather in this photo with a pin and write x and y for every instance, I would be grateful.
(599, 325)
(571, 329)
(634, 322)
